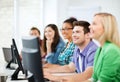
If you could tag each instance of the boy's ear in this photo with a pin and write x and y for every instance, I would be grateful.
(87, 35)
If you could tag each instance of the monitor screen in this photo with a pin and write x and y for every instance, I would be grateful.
(16, 55)
(7, 54)
(9, 57)
(31, 56)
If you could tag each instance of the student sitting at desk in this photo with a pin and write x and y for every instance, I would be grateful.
(66, 54)
(34, 31)
(52, 43)
(107, 59)
(82, 58)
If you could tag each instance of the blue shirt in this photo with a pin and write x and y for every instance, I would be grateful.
(53, 56)
(87, 56)
(66, 54)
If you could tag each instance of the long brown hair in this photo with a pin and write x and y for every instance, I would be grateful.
(55, 40)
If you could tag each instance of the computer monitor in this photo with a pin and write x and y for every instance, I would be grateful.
(9, 57)
(20, 67)
(7, 54)
(31, 56)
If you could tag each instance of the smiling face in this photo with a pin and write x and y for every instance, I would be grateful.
(67, 31)
(79, 36)
(96, 28)
(49, 33)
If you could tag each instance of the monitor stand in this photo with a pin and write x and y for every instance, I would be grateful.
(15, 75)
(9, 66)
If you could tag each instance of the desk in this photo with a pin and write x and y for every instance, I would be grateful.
(19, 76)
(4, 73)
(62, 74)
(56, 74)
(9, 80)
(7, 73)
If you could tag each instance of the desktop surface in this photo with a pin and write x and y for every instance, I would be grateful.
(4, 71)
(21, 76)
(9, 80)
(63, 74)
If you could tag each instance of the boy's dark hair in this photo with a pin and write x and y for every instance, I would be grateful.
(85, 24)
(70, 20)
(35, 28)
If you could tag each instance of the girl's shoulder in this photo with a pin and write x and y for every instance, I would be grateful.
(111, 48)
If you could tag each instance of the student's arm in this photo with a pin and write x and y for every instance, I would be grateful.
(58, 68)
(52, 57)
(87, 81)
(49, 57)
(79, 77)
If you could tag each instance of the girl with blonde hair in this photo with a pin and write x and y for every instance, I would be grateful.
(107, 59)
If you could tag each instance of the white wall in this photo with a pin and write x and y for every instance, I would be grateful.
(41, 12)
(27, 14)
(105, 6)
(6, 24)
(50, 11)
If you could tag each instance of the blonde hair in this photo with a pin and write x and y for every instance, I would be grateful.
(111, 32)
